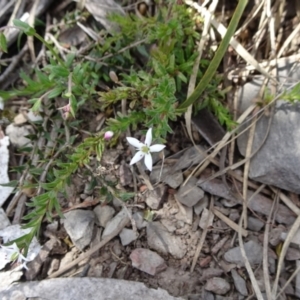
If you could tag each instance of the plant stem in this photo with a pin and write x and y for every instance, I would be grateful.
(212, 68)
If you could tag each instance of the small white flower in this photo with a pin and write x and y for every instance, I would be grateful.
(12, 253)
(144, 149)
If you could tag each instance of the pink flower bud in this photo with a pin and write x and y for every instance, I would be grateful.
(108, 135)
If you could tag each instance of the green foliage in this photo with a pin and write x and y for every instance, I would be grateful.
(293, 95)
(155, 55)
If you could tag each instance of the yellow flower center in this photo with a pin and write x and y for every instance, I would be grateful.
(145, 149)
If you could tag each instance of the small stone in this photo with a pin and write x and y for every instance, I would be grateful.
(174, 180)
(207, 219)
(127, 236)
(254, 253)
(239, 283)
(114, 222)
(147, 261)
(217, 285)
(104, 214)
(20, 119)
(17, 135)
(139, 220)
(210, 273)
(292, 254)
(190, 194)
(156, 197)
(191, 156)
(161, 240)
(255, 224)
(79, 225)
(275, 235)
(203, 203)
(4, 221)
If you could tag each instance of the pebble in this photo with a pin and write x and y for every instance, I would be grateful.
(104, 214)
(127, 236)
(162, 241)
(239, 283)
(255, 224)
(254, 253)
(114, 222)
(156, 197)
(147, 261)
(217, 285)
(190, 194)
(79, 225)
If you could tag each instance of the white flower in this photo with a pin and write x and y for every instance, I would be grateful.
(144, 150)
(12, 253)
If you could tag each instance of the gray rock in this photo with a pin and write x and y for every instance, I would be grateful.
(156, 197)
(7, 278)
(277, 161)
(257, 203)
(114, 222)
(255, 224)
(239, 283)
(79, 225)
(84, 288)
(4, 221)
(162, 241)
(139, 220)
(191, 156)
(104, 214)
(254, 253)
(174, 180)
(217, 285)
(203, 203)
(190, 194)
(127, 236)
(207, 219)
(292, 254)
(210, 273)
(147, 261)
(166, 175)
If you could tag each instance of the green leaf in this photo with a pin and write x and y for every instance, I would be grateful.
(73, 105)
(37, 105)
(55, 92)
(24, 27)
(3, 42)
(12, 183)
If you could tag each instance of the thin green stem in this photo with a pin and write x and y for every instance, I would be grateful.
(212, 68)
(50, 48)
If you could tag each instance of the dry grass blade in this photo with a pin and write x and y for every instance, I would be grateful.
(284, 249)
(247, 264)
(202, 239)
(229, 222)
(265, 255)
(234, 43)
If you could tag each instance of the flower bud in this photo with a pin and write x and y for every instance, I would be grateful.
(108, 135)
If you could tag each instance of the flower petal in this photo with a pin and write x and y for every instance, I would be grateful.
(148, 161)
(148, 139)
(157, 148)
(137, 157)
(135, 143)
